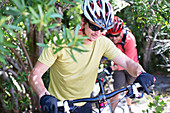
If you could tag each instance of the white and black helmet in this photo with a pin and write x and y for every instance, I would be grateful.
(100, 12)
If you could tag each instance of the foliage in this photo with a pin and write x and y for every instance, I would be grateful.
(13, 91)
(42, 14)
(72, 17)
(149, 21)
(24, 23)
(157, 106)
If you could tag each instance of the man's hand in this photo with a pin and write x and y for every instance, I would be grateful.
(145, 80)
(49, 104)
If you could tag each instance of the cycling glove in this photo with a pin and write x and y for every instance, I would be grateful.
(145, 80)
(49, 104)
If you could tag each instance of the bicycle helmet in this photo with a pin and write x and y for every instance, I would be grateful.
(100, 12)
(118, 27)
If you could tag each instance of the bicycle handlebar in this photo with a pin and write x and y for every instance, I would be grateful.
(131, 88)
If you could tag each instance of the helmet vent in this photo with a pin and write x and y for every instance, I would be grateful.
(99, 17)
(88, 11)
(99, 3)
(106, 9)
(92, 5)
(119, 27)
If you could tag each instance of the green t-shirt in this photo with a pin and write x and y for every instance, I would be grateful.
(71, 80)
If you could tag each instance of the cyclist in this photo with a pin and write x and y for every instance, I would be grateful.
(123, 38)
(72, 80)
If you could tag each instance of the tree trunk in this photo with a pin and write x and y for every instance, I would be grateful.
(150, 44)
(147, 54)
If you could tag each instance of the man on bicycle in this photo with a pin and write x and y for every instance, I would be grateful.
(123, 38)
(73, 80)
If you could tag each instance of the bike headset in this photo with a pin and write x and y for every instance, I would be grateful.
(100, 12)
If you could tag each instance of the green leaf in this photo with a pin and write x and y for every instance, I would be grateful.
(27, 23)
(69, 35)
(55, 15)
(7, 44)
(72, 55)
(3, 50)
(40, 10)
(33, 12)
(14, 27)
(1, 36)
(10, 31)
(70, 44)
(49, 12)
(23, 3)
(58, 49)
(12, 11)
(79, 1)
(19, 19)
(68, 2)
(64, 33)
(52, 26)
(84, 37)
(42, 45)
(51, 2)
(35, 22)
(76, 30)
(80, 50)
(18, 4)
(2, 59)
(80, 44)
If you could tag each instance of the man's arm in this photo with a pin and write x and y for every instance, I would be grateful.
(132, 67)
(36, 81)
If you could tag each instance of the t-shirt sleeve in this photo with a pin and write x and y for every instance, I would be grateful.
(112, 51)
(47, 56)
(130, 48)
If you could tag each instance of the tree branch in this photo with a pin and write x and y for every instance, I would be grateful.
(129, 2)
(25, 51)
(19, 58)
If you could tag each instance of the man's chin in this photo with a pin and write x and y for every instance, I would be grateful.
(93, 38)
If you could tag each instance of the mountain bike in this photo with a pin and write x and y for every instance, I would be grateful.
(133, 91)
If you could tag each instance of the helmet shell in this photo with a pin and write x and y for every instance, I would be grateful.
(118, 27)
(100, 12)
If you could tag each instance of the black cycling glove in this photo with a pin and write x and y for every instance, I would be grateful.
(145, 80)
(49, 104)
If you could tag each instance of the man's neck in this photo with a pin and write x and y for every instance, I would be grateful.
(86, 41)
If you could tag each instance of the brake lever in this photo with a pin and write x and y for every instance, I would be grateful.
(134, 91)
(137, 91)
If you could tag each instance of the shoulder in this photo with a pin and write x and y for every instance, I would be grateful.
(103, 38)
(130, 37)
(104, 42)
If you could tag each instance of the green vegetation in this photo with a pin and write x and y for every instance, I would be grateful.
(156, 106)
